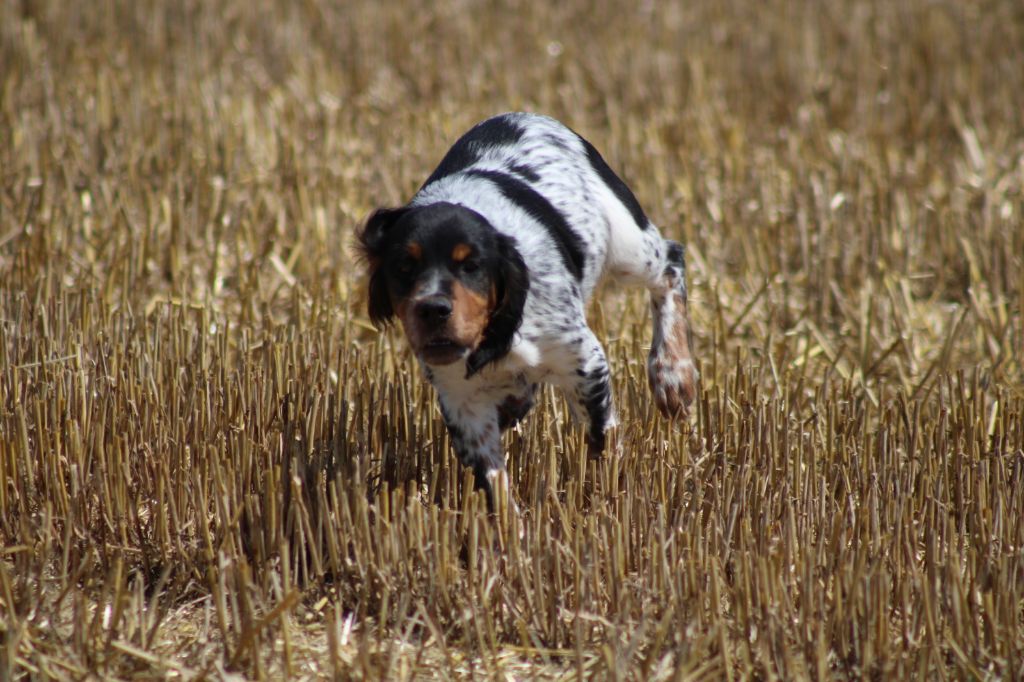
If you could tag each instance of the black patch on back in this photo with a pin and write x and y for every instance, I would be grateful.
(525, 172)
(518, 192)
(467, 150)
(616, 184)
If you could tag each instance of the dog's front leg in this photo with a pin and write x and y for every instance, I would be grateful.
(588, 389)
(476, 438)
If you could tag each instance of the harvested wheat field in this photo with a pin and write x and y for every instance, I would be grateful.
(214, 467)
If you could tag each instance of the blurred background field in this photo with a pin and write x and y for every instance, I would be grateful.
(211, 465)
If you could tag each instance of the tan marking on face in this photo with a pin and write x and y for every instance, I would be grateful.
(414, 249)
(461, 252)
(470, 314)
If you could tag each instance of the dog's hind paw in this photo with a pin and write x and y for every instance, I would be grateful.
(674, 385)
(670, 368)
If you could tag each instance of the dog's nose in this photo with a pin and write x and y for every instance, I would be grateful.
(434, 309)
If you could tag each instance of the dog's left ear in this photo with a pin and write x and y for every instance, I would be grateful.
(372, 242)
(512, 285)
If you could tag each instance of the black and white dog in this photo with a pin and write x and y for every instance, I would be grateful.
(490, 268)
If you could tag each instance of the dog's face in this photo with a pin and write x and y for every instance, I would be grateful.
(446, 273)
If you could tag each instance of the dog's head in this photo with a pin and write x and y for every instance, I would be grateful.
(457, 284)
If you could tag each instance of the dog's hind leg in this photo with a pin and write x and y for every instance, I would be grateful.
(644, 256)
(671, 371)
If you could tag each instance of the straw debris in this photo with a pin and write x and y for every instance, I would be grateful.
(212, 466)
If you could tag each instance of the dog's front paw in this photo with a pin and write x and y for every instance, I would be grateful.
(674, 384)
(499, 493)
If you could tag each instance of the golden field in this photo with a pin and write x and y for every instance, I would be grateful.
(214, 467)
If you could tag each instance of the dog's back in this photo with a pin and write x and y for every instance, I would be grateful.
(520, 169)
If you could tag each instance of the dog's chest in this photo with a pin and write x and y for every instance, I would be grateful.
(509, 377)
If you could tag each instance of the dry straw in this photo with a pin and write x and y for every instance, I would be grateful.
(211, 465)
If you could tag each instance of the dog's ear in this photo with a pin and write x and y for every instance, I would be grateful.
(512, 284)
(372, 242)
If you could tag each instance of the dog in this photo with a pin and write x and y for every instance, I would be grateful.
(490, 267)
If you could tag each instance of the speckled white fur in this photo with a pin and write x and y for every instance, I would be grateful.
(554, 344)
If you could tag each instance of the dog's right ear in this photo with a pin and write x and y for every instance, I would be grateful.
(372, 244)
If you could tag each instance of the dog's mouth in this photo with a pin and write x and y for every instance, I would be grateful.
(441, 351)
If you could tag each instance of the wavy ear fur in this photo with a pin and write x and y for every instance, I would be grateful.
(513, 283)
(372, 243)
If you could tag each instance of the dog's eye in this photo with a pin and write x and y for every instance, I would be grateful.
(470, 266)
